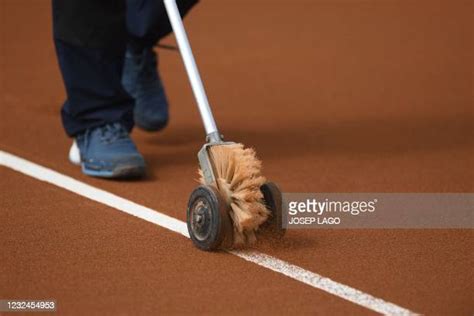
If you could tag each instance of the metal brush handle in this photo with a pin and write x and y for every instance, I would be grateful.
(193, 73)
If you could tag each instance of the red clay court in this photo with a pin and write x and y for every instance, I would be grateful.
(335, 96)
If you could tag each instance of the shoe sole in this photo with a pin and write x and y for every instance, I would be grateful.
(123, 171)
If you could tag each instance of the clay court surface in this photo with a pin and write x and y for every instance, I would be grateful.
(336, 96)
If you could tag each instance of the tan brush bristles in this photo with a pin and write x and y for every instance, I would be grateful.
(239, 180)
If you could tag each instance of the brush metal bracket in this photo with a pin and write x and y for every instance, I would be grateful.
(205, 162)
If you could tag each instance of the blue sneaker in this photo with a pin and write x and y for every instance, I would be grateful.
(108, 152)
(141, 80)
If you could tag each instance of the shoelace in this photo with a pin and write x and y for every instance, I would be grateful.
(108, 133)
(112, 132)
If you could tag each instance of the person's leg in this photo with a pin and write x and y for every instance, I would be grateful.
(91, 63)
(147, 23)
(95, 95)
(98, 112)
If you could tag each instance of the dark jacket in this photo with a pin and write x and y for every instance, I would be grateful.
(108, 23)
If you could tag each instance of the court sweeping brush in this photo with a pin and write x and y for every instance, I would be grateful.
(231, 168)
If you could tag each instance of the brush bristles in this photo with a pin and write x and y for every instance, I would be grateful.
(239, 180)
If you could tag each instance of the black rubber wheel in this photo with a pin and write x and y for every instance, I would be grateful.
(273, 200)
(209, 223)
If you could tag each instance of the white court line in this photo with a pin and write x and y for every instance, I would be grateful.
(292, 271)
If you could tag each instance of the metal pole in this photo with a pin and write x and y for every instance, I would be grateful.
(192, 70)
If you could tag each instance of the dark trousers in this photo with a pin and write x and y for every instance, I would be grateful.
(91, 37)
